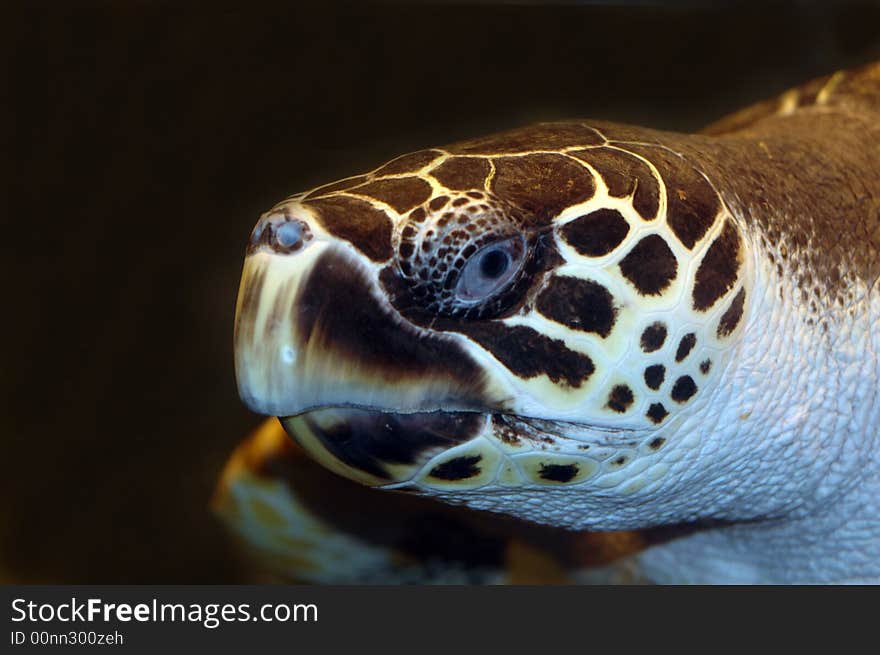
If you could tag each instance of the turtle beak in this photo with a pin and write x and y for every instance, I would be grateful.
(315, 329)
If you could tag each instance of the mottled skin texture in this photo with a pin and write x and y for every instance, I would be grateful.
(688, 337)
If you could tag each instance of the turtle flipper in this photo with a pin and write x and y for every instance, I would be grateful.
(297, 522)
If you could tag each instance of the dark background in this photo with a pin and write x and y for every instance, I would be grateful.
(144, 139)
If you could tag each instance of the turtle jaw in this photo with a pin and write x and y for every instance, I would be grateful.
(379, 448)
(430, 452)
(313, 330)
(366, 394)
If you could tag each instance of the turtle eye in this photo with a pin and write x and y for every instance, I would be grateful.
(490, 270)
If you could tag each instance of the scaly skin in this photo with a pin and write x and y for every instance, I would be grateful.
(743, 261)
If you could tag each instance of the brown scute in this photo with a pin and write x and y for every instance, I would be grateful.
(596, 233)
(542, 136)
(705, 366)
(691, 202)
(369, 440)
(337, 309)
(542, 184)
(685, 346)
(340, 185)
(401, 193)
(731, 318)
(460, 468)
(654, 376)
(528, 353)
(807, 180)
(624, 175)
(462, 173)
(656, 412)
(653, 337)
(657, 442)
(558, 472)
(651, 265)
(409, 163)
(582, 305)
(620, 399)
(368, 229)
(718, 271)
(684, 389)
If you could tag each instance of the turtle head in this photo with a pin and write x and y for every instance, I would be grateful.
(538, 309)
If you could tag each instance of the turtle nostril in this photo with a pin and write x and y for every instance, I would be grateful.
(257, 233)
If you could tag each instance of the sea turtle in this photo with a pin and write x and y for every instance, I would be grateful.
(596, 326)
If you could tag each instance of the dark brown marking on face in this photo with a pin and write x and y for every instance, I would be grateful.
(684, 389)
(691, 202)
(337, 309)
(368, 229)
(624, 175)
(657, 412)
(705, 366)
(438, 202)
(650, 265)
(558, 472)
(528, 353)
(401, 193)
(460, 468)
(543, 136)
(369, 440)
(654, 376)
(596, 233)
(685, 346)
(656, 443)
(620, 399)
(731, 318)
(718, 271)
(653, 337)
(409, 163)
(340, 185)
(542, 184)
(462, 173)
(582, 305)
